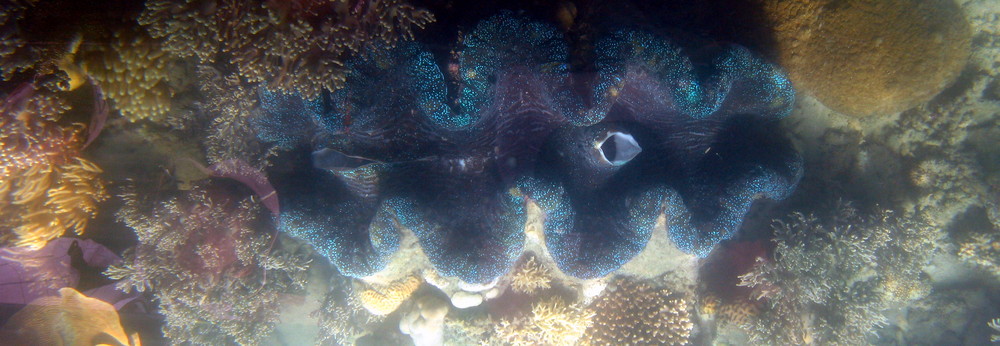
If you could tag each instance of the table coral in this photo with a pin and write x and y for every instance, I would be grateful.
(290, 47)
(216, 276)
(867, 57)
(635, 312)
(46, 189)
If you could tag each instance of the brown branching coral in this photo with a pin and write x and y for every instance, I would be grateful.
(294, 46)
(635, 312)
(132, 71)
(216, 278)
(831, 279)
(45, 188)
(230, 105)
(552, 321)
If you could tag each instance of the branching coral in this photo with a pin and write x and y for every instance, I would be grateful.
(553, 321)
(45, 188)
(342, 319)
(983, 249)
(831, 279)
(230, 105)
(530, 276)
(216, 278)
(635, 312)
(296, 46)
(132, 71)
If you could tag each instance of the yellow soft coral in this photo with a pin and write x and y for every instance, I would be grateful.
(44, 202)
(133, 73)
(382, 301)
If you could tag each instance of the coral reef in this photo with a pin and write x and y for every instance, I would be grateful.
(290, 47)
(217, 279)
(46, 189)
(132, 71)
(530, 276)
(869, 57)
(832, 278)
(552, 321)
(655, 136)
(381, 301)
(632, 312)
(68, 319)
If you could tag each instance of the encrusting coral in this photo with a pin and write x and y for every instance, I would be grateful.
(294, 47)
(632, 312)
(216, 278)
(132, 71)
(831, 279)
(865, 57)
(46, 189)
(382, 301)
(552, 321)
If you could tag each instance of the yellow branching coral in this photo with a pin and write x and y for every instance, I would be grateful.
(382, 301)
(45, 189)
(634, 312)
(288, 46)
(132, 71)
(530, 276)
(552, 322)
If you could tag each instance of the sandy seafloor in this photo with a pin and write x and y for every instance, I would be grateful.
(880, 160)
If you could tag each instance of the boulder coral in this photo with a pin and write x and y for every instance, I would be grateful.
(865, 57)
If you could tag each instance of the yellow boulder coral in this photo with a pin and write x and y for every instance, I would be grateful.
(382, 301)
(864, 57)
